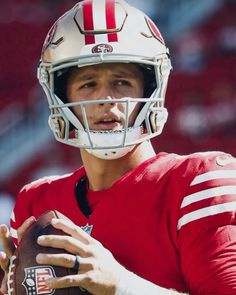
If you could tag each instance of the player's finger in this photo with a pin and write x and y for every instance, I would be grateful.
(67, 281)
(4, 261)
(6, 241)
(3, 288)
(25, 225)
(71, 229)
(64, 260)
(67, 243)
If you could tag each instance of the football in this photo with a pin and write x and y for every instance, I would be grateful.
(26, 277)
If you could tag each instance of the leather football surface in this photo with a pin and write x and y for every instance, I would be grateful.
(26, 277)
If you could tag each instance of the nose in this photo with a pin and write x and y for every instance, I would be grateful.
(104, 90)
(109, 102)
(106, 93)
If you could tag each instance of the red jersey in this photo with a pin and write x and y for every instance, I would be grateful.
(171, 220)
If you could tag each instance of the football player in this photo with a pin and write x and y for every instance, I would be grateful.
(140, 222)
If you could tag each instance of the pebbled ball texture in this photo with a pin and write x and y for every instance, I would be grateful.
(26, 277)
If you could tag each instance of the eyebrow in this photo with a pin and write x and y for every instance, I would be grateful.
(121, 74)
(87, 77)
(95, 74)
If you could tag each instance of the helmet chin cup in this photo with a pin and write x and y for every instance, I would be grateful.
(110, 154)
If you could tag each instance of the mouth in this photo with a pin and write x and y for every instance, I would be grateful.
(107, 123)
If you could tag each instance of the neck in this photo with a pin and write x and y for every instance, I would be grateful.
(103, 173)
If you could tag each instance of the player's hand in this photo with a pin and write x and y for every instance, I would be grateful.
(9, 248)
(98, 272)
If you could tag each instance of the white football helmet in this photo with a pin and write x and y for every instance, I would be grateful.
(104, 31)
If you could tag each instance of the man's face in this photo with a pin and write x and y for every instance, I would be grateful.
(106, 81)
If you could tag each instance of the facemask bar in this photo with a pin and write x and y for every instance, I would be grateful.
(86, 138)
(125, 128)
(115, 138)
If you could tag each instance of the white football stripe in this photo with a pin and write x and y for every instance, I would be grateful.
(207, 211)
(208, 193)
(13, 233)
(211, 175)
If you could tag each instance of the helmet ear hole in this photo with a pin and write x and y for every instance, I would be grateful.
(57, 123)
(157, 118)
(153, 121)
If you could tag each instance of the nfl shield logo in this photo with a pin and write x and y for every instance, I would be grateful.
(87, 228)
(35, 277)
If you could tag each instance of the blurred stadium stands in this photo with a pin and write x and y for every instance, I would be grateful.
(201, 97)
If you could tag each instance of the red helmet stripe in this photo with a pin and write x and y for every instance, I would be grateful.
(111, 20)
(88, 21)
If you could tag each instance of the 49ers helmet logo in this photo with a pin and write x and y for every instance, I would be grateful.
(102, 48)
(35, 278)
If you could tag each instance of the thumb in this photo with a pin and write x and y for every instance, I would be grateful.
(4, 285)
(7, 243)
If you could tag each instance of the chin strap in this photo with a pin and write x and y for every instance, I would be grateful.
(108, 139)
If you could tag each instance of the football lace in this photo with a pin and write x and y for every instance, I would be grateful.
(10, 275)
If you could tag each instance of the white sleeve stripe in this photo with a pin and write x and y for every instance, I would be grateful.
(207, 211)
(13, 216)
(13, 233)
(208, 193)
(211, 175)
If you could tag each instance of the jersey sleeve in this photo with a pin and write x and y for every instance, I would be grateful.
(207, 226)
(26, 203)
(209, 262)
(44, 194)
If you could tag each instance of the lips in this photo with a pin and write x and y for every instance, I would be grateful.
(109, 118)
(109, 122)
(106, 121)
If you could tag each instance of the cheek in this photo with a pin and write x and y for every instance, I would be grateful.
(133, 92)
(134, 107)
(77, 111)
(89, 112)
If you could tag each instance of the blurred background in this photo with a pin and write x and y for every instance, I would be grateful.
(201, 97)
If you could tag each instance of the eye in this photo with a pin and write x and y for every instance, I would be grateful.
(88, 85)
(122, 83)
